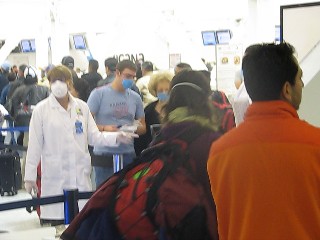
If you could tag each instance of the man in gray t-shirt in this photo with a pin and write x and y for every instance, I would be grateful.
(113, 106)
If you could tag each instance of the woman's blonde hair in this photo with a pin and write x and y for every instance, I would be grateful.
(155, 79)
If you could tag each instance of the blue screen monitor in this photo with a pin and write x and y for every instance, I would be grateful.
(223, 36)
(33, 45)
(209, 38)
(28, 45)
(79, 42)
(277, 34)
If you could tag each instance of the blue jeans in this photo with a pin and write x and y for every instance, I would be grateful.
(103, 173)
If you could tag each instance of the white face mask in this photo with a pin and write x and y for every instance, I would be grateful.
(59, 89)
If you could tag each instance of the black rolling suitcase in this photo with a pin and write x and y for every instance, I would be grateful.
(10, 172)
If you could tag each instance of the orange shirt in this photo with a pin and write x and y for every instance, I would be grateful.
(265, 176)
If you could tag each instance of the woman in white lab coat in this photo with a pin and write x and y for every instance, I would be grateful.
(60, 130)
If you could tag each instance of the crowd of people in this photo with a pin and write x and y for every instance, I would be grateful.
(260, 167)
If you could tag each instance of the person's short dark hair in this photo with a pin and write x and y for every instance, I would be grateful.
(68, 61)
(189, 89)
(111, 63)
(185, 66)
(93, 64)
(22, 67)
(138, 72)
(13, 67)
(82, 88)
(266, 68)
(182, 67)
(126, 64)
(147, 66)
(12, 76)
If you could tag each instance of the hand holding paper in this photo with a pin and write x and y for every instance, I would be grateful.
(126, 137)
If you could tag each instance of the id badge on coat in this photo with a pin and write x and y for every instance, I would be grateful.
(79, 127)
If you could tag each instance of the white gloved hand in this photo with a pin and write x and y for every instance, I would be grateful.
(31, 187)
(126, 137)
(131, 128)
(128, 128)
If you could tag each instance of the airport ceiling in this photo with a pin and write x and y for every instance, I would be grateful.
(30, 17)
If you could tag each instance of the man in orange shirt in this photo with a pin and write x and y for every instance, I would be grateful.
(265, 174)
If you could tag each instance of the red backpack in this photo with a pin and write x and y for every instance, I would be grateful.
(157, 197)
(221, 102)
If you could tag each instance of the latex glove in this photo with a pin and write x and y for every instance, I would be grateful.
(31, 187)
(131, 128)
(128, 128)
(126, 137)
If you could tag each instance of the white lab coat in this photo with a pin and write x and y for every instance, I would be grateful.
(3, 123)
(65, 160)
(240, 103)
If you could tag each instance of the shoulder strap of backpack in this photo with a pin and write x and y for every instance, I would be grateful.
(228, 120)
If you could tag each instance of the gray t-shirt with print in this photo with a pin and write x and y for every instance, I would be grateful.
(111, 107)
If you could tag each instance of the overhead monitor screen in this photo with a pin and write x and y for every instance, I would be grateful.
(79, 42)
(277, 34)
(32, 44)
(28, 45)
(223, 36)
(209, 38)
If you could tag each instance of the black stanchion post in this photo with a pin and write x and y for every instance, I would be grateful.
(71, 208)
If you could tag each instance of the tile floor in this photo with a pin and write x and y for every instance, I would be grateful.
(19, 224)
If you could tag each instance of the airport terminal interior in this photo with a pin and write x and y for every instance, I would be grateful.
(209, 35)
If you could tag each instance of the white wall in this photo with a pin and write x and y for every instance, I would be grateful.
(304, 33)
(300, 28)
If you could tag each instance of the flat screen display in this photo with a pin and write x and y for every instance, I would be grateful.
(209, 38)
(79, 42)
(28, 45)
(223, 36)
(277, 37)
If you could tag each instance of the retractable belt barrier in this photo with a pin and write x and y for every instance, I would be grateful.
(13, 146)
(15, 129)
(70, 199)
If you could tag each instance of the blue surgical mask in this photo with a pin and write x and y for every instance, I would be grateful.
(127, 83)
(163, 96)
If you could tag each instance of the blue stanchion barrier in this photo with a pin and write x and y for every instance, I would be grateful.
(43, 201)
(15, 129)
(31, 202)
(13, 144)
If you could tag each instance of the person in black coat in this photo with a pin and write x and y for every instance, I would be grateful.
(159, 87)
